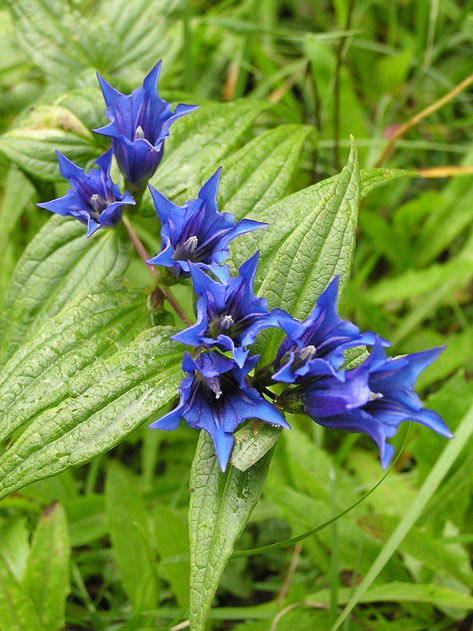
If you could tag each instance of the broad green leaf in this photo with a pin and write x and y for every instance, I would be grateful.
(220, 506)
(64, 124)
(89, 329)
(106, 402)
(136, 24)
(46, 580)
(310, 239)
(57, 265)
(172, 539)
(17, 612)
(128, 528)
(426, 492)
(45, 31)
(320, 245)
(200, 140)
(257, 175)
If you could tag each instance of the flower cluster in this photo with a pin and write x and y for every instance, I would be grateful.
(224, 385)
(139, 125)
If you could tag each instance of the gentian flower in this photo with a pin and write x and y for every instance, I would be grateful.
(229, 315)
(216, 397)
(197, 232)
(139, 124)
(389, 399)
(315, 347)
(93, 198)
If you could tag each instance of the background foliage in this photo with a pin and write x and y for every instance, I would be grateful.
(266, 72)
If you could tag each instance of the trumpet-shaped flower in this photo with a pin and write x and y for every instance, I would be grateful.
(315, 347)
(374, 399)
(216, 397)
(139, 124)
(196, 232)
(93, 198)
(229, 315)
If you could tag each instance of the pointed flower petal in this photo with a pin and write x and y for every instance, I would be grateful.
(92, 198)
(139, 124)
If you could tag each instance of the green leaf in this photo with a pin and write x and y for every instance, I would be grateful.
(257, 175)
(371, 179)
(106, 402)
(46, 579)
(220, 506)
(45, 31)
(14, 544)
(310, 239)
(17, 612)
(136, 24)
(319, 246)
(89, 329)
(432, 594)
(57, 265)
(87, 519)
(128, 528)
(416, 282)
(200, 140)
(172, 539)
(252, 442)
(426, 492)
(64, 124)
(18, 192)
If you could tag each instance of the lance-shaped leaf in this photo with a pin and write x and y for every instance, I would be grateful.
(220, 506)
(199, 142)
(17, 612)
(90, 328)
(258, 174)
(57, 265)
(310, 240)
(46, 579)
(129, 532)
(105, 403)
(63, 124)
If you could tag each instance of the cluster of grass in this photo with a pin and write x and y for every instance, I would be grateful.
(361, 67)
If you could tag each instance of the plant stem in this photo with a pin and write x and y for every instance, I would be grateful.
(165, 291)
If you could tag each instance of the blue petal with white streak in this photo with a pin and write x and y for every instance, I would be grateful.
(197, 232)
(391, 399)
(139, 125)
(229, 315)
(93, 199)
(314, 347)
(216, 397)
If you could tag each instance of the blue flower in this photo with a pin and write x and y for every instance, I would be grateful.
(229, 315)
(196, 232)
(139, 124)
(315, 347)
(216, 397)
(379, 409)
(93, 198)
